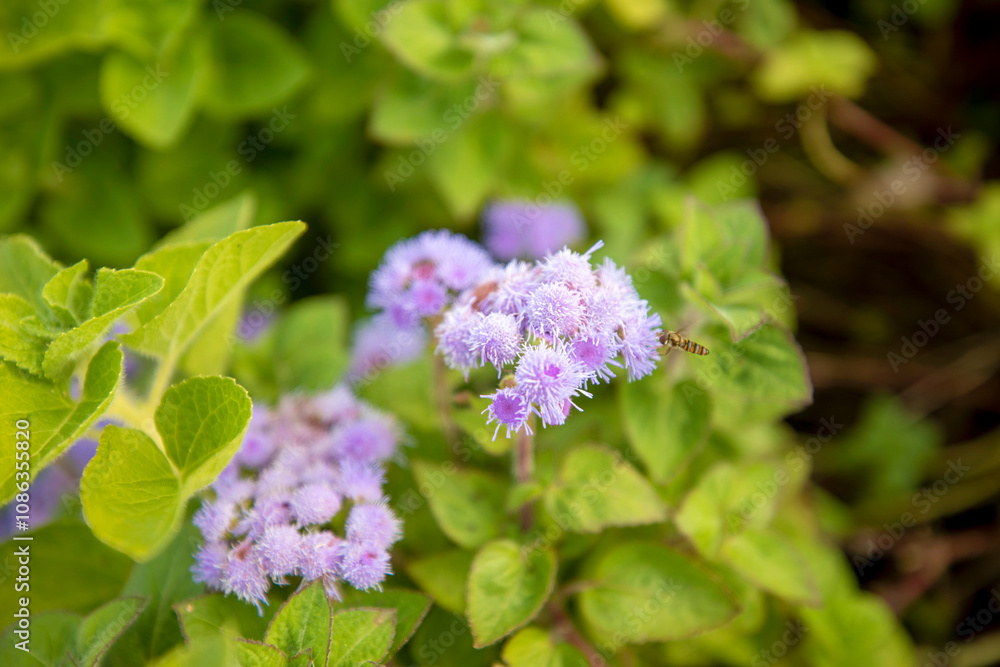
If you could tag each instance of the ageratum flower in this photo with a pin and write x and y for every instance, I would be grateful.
(302, 464)
(560, 324)
(514, 229)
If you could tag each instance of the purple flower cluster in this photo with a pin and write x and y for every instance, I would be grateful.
(419, 276)
(513, 229)
(559, 324)
(300, 465)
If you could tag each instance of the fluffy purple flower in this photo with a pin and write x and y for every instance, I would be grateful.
(371, 438)
(640, 344)
(210, 563)
(548, 376)
(595, 355)
(244, 576)
(274, 506)
(454, 336)
(364, 565)
(416, 274)
(314, 503)
(361, 480)
(554, 310)
(279, 549)
(496, 338)
(521, 229)
(509, 408)
(374, 523)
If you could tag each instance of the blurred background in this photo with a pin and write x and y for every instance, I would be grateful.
(867, 130)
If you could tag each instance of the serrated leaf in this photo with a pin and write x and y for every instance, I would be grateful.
(771, 561)
(360, 636)
(534, 647)
(212, 614)
(507, 587)
(303, 624)
(596, 488)
(665, 428)
(69, 293)
(131, 495)
(215, 224)
(255, 654)
(18, 343)
(255, 65)
(201, 421)
(422, 37)
(410, 608)
(170, 82)
(443, 576)
(89, 571)
(102, 627)
(25, 269)
(56, 421)
(467, 504)
(221, 275)
(679, 599)
(164, 580)
(115, 294)
(174, 263)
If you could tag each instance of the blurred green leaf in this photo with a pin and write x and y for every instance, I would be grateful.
(467, 504)
(817, 64)
(534, 647)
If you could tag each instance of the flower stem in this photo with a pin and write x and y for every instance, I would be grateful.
(524, 470)
(442, 396)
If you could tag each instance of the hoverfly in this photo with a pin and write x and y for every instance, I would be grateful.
(672, 339)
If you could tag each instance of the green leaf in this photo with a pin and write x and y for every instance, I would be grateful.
(215, 224)
(115, 294)
(596, 488)
(169, 84)
(209, 353)
(665, 428)
(69, 293)
(360, 636)
(771, 561)
(212, 614)
(832, 61)
(102, 628)
(25, 269)
(467, 504)
(52, 641)
(854, 628)
(443, 576)
(410, 608)
(201, 421)
(174, 263)
(221, 275)
(131, 495)
(255, 65)
(467, 167)
(301, 363)
(164, 580)
(534, 647)
(767, 367)
(507, 587)
(89, 572)
(254, 654)
(679, 599)
(18, 343)
(56, 421)
(428, 644)
(422, 37)
(303, 624)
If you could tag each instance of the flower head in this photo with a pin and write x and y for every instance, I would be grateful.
(496, 338)
(522, 229)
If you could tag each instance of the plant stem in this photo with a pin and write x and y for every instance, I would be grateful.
(564, 626)
(443, 399)
(524, 470)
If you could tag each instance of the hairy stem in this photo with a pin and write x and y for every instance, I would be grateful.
(442, 396)
(524, 470)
